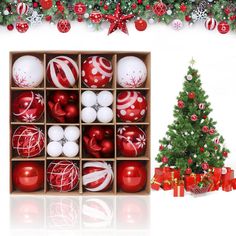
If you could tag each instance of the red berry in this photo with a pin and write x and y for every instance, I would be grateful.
(134, 6)
(188, 171)
(211, 131)
(183, 8)
(35, 4)
(188, 18)
(48, 18)
(190, 161)
(191, 95)
(58, 3)
(225, 154)
(106, 7)
(148, 7)
(161, 148)
(204, 117)
(10, 27)
(202, 149)
(164, 159)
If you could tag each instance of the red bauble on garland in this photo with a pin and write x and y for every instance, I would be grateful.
(95, 17)
(160, 8)
(10, 27)
(63, 25)
(28, 176)
(223, 27)
(140, 24)
(22, 26)
(22, 8)
(46, 4)
(191, 95)
(80, 8)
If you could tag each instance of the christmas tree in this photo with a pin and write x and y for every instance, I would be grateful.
(192, 142)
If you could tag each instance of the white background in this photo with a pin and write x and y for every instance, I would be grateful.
(160, 213)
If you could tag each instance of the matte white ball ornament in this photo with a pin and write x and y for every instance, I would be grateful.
(89, 98)
(70, 149)
(72, 133)
(54, 149)
(56, 133)
(88, 115)
(105, 115)
(105, 98)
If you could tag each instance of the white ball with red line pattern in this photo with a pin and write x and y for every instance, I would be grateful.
(131, 141)
(96, 72)
(62, 72)
(97, 176)
(131, 106)
(27, 72)
(131, 72)
(22, 8)
(210, 23)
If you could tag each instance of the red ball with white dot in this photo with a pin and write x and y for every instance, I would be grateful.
(28, 141)
(131, 141)
(95, 17)
(80, 8)
(97, 176)
(63, 176)
(28, 106)
(96, 72)
(205, 166)
(210, 23)
(131, 106)
(22, 8)
(62, 72)
(205, 129)
(223, 27)
(180, 104)
(63, 25)
(22, 26)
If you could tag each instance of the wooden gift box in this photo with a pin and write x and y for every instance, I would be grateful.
(45, 122)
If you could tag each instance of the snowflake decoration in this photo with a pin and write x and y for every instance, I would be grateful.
(21, 81)
(29, 118)
(199, 14)
(141, 141)
(35, 18)
(39, 97)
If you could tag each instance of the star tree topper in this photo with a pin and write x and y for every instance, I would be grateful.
(118, 20)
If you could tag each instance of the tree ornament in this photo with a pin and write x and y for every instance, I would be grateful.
(62, 72)
(54, 149)
(183, 7)
(61, 97)
(140, 24)
(96, 132)
(105, 98)
(88, 115)
(22, 26)
(159, 8)
(205, 166)
(210, 23)
(223, 27)
(46, 4)
(177, 24)
(212, 131)
(105, 114)
(10, 27)
(164, 159)
(225, 154)
(56, 133)
(28, 141)
(63, 176)
(161, 148)
(190, 161)
(28, 176)
(180, 104)
(131, 72)
(202, 149)
(88, 98)
(201, 106)
(217, 141)
(189, 77)
(22, 8)
(72, 133)
(188, 171)
(35, 18)
(191, 95)
(96, 72)
(118, 20)
(72, 112)
(80, 8)
(205, 129)
(97, 176)
(131, 141)
(96, 17)
(28, 106)
(131, 106)
(131, 176)
(63, 25)
(194, 117)
(70, 149)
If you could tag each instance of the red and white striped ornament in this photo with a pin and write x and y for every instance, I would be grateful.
(22, 8)
(210, 23)
(28, 141)
(62, 72)
(63, 176)
(97, 176)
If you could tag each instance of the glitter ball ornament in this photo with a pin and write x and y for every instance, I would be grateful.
(28, 141)
(80, 8)
(63, 176)
(131, 72)
(97, 176)
(180, 104)
(28, 106)
(22, 8)
(46, 4)
(205, 166)
(177, 24)
(22, 26)
(188, 171)
(164, 160)
(131, 106)
(95, 17)
(63, 26)
(62, 72)
(160, 8)
(225, 154)
(210, 23)
(131, 141)
(223, 27)
(140, 24)
(27, 72)
(96, 72)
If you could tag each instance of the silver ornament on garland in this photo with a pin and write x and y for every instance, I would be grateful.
(35, 18)
(200, 13)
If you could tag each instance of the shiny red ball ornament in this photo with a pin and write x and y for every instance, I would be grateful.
(80, 8)
(160, 8)
(225, 154)
(205, 129)
(161, 148)
(109, 132)
(10, 27)
(194, 117)
(191, 95)
(60, 96)
(28, 106)
(96, 72)
(223, 27)
(107, 148)
(28, 176)
(95, 17)
(22, 26)
(205, 166)
(131, 141)
(188, 171)
(212, 131)
(180, 104)
(72, 113)
(131, 106)
(46, 4)
(97, 176)
(164, 160)
(64, 25)
(140, 25)
(97, 132)
(190, 161)
(131, 176)
(202, 149)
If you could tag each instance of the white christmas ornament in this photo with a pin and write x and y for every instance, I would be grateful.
(88, 115)
(177, 24)
(105, 98)
(70, 149)
(54, 149)
(88, 98)
(105, 115)
(131, 72)
(72, 133)
(27, 72)
(56, 133)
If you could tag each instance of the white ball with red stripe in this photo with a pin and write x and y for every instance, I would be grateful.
(210, 23)
(22, 8)
(97, 176)
(62, 72)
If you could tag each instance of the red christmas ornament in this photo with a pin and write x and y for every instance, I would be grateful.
(97, 132)
(194, 117)
(109, 132)
(188, 171)
(118, 20)
(225, 154)
(60, 96)
(161, 148)
(97, 176)
(28, 141)
(204, 117)
(107, 148)
(134, 6)
(212, 131)
(202, 149)
(22, 8)
(28, 176)
(131, 176)
(95, 17)
(106, 7)
(223, 27)
(205, 129)
(140, 24)
(180, 104)
(183, 8)
(48, 18)
(96, 72)
(46, 4)
(191, 95)
(188, 18)
(28, 106)
(205, 166)
(164, 160)
(22, 26)
(160, 8)
(63, 176)
(190, 161)
(10, 27)
(131, 106)
(72, 113)
(201, 106)
(131, 141)
(80, 8)
(35, 5)
(63, 26)
(210, 23)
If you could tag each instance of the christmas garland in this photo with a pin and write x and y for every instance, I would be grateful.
(20, 14)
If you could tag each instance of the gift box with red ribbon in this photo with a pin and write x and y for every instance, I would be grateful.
(216, 174)
(193, 179)
(178, 189)
(156, 182)
(227, 179)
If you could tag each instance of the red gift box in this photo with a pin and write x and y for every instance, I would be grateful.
(215, 174)
(227, 178)
(192, 179)
(179, 189)
(156, 182)
(233, 183)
